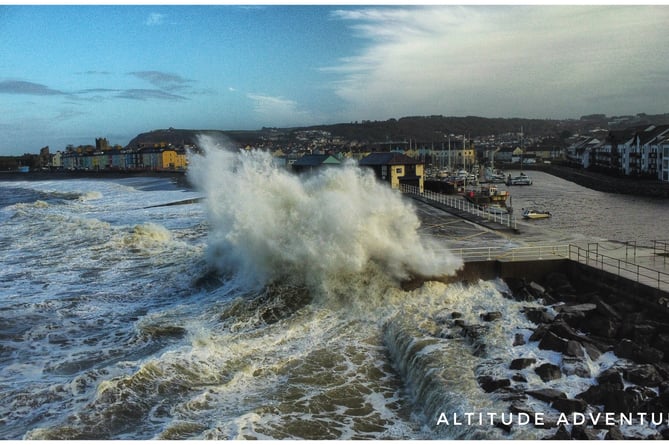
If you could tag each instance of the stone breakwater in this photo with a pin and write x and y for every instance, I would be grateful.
(582, 325)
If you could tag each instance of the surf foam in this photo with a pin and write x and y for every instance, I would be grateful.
(268, 224)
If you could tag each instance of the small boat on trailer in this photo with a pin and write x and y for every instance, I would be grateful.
(535, 214)
(487, 195)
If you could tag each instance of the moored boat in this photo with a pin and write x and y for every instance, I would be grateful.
(535, 214)
(521, 179)
(487, 195)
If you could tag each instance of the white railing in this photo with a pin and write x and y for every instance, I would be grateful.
(526, 253)
(620, 267)
(458, 203)
(589, 256)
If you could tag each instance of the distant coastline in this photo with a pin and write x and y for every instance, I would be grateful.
(179, 177)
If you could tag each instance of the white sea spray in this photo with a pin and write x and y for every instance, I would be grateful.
(268, 224)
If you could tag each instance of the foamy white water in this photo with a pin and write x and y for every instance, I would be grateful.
(272, 309)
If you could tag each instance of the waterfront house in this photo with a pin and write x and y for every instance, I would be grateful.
(312, 162)
(648, 147)
(663, 149)
(395, 168)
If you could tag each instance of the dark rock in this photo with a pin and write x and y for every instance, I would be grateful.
(518, 339)
(606, 310)
(561, 434)
(519, 378)
(515, 284)
(580, 432)
(474, 332)
(537, 315)
(490, 384)
(643, 334)
(644, 375)
(552, 342)
(623, 401)
(574, 349)
(593, 352)
(576, 320)
(491, 316)
(613, 399)
(664, 388)
(662, 342)
(640, 354)
(539, 332)
(596, 394)
(546, 394)
(575, 366)
(536, 289)
(568, 406)
(602, 326)
(611, 377)
(456, 315)
(522, 363)
(562, 329)
(614, 433)
(571, 308)
(663, 369)
(665, 434)
(548, 372)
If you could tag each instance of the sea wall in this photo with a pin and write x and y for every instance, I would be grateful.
(605, 183)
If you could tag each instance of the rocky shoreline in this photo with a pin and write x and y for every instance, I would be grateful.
(581, 326)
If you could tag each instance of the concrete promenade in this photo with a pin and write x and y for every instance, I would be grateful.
(477, 241)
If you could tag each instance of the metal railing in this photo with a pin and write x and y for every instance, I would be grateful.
(458, 203)
(620, 267)
(526, 253)
(589, 256)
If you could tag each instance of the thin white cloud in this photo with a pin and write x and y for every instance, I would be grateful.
(529, 61)
(278, 111)
(155, 19)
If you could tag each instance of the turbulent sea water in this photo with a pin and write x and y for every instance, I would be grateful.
(272, 308)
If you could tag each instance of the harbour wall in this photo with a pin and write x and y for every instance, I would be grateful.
(586, 278)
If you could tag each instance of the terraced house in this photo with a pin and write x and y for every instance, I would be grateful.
(157, 158)
(639, 151)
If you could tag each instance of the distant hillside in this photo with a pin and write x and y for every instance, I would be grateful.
(427, 128)
(418, 128)
(180, 137)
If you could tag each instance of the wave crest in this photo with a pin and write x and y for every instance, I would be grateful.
(267, 224)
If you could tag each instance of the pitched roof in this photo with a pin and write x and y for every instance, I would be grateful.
(315, 160)
(388, 158)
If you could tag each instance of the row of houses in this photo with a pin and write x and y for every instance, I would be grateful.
(638, 151)
(149, 158)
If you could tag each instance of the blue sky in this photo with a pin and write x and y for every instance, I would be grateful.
(69, 74)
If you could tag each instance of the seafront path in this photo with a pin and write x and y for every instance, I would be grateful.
(477, 239)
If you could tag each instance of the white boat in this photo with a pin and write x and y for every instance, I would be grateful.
(535, 214)
(521, 179)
